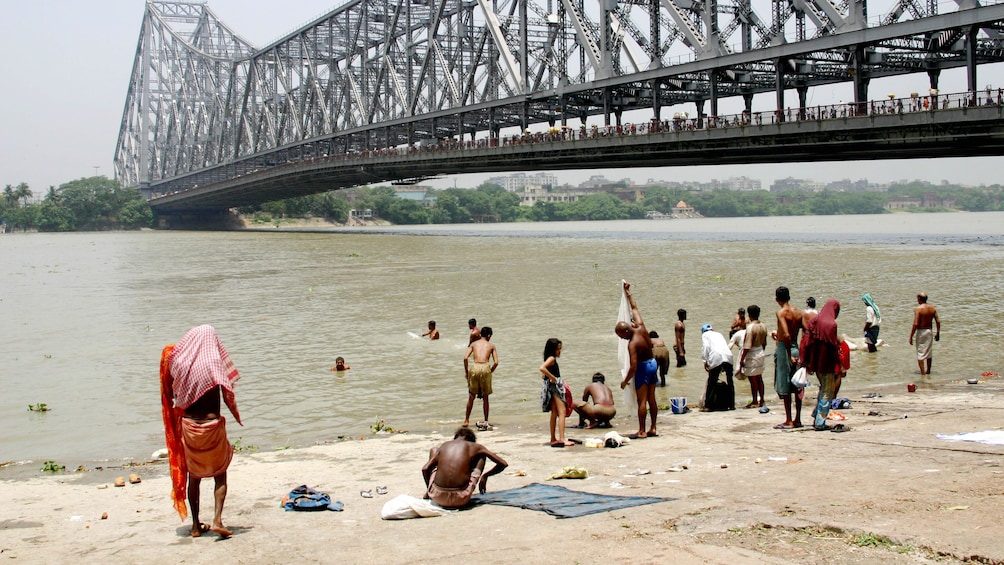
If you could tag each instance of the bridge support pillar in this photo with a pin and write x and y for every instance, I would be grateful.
(803, 92)
(656, 99)
(860, 82)
(700, 113)
(606, 106)
(713, 82)
(971, 60)
(748, 102)
(933, 74)
(779, 89)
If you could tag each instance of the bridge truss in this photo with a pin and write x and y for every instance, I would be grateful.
(378, 74)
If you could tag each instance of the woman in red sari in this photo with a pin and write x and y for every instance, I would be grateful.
(819, 353)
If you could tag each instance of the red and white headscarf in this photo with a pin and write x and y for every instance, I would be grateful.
(199, 363)
(187, 371)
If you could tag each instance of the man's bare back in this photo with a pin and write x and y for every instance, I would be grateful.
(599, 393)
(925, 315)
(206, 407)
(641, 344)
(455, 459)
(482, 350)
(789, 323)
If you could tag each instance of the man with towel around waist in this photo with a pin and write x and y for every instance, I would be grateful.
(456, 467)
(923, 315)
(194, 373)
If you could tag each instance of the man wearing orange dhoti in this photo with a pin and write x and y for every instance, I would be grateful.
(194, 374)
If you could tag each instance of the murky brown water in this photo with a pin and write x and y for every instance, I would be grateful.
(86, 315)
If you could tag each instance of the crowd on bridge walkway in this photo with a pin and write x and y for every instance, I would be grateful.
(680, 122)
(683, 121)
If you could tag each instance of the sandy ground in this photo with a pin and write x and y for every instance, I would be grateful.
(888, 491)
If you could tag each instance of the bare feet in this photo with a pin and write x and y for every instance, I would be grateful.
(199, 529)
(591, 426)
(652, 433)
(223, 532)
(466, 424)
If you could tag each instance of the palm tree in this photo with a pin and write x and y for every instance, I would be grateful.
(9, 195)
(22, 193)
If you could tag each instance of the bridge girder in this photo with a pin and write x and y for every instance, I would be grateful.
(373, 73)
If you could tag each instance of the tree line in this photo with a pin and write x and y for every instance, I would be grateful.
(490, 202)
(99, 203)
(87, 204)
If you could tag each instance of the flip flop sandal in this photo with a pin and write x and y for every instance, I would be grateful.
(840, 428)
(366, 493)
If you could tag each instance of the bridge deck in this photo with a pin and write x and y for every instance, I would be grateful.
(824, 134)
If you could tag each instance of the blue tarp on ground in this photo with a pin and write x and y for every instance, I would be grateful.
(562, 502)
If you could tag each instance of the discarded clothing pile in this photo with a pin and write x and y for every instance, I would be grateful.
(304, 498)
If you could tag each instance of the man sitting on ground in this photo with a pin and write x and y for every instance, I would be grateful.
(597, 404)
(456, 466)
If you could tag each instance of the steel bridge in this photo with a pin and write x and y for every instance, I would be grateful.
(380, 91)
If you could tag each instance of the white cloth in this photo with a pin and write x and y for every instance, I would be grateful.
(989, 437)
(737, 340)
(624, 358)
(403, 507)
(714, 349)
(870, 317)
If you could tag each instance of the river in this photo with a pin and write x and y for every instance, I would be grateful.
(85, 315)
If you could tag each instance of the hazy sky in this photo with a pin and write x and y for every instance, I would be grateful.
(67, 65)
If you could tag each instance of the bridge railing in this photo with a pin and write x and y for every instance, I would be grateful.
(682, 121)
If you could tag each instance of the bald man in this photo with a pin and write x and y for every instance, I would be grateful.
(923, 315)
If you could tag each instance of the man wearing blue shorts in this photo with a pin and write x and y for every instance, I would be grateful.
(644, 369)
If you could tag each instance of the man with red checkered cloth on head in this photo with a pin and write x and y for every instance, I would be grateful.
(194, 374)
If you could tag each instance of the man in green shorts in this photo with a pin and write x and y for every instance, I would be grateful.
(479, 373)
